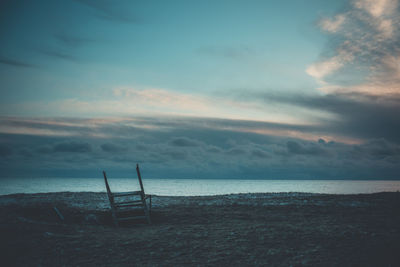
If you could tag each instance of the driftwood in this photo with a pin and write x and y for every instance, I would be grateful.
(58, 213)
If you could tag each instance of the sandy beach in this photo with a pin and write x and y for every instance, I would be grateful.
(282, 229)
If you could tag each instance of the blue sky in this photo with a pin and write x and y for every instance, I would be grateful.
(280, 89)
(184, 46)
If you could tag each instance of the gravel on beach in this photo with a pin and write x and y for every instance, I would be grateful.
(273, 229)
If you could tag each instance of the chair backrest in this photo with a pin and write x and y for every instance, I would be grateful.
(109, 193)
(140, 178)
(110, 196)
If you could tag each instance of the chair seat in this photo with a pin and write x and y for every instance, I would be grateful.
(127, 204)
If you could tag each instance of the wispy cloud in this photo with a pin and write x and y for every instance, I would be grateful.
(54, 53)
(110, 10)
(341, 116)
(15, 63)
(128, 101)
(326, 67)
(100, 128)
(334, 24)
(71, 40)
(366, 38)
(377, 8)
(229, 52)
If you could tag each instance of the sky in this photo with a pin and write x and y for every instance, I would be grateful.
(200, 89)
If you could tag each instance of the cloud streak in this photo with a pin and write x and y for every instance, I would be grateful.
(59, 55)
(71, 40)
(128, 101)
(109, 10)
(15, 63)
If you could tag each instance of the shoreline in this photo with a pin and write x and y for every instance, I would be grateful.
(197, 187)
(274, 229)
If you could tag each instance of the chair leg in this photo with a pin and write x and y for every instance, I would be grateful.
(145, 208)
(150, 205)
(146, 211)
(114, 216)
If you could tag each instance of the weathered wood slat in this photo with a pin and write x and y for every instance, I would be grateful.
(129, 205)
(125, 194)
(128, 202)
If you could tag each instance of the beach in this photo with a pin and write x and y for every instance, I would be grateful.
(274, 229)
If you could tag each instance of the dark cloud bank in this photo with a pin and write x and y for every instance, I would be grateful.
(189, 148)
(356, 115)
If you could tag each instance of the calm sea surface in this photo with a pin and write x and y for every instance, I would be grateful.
(194, 187)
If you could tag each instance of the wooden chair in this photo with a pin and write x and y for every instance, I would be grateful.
(125, 206)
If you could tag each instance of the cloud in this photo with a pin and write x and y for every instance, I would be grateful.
(73, 147)
(236, 151)
(299, 148)
(46, 149)
(15, 63)
(5, 151)
(379, 148)
(70, 40)
(191, 147)
(229, 52)
(109, 10)
(49, 126)
(113, 148)
(164, 98)
(377, 8)
(324, 68)
(184, 142)
(347, 117)
(354, 115)
(365, 40)
(128, 101)
(259, 153)
(59, 55)
(102, 127)
(332, 25)
(173, 155)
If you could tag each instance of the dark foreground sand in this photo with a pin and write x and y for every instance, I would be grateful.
(247, 229)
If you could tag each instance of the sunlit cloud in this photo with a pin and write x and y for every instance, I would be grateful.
(99, 127)
(324, 68)
(366, 44)
(130, 101)
(334, 24)
(377, 8)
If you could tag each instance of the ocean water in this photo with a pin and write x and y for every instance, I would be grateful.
(194, 187)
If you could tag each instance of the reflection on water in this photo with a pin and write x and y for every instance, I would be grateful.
(194, 187)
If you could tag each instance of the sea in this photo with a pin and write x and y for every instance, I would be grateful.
(195, 187)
